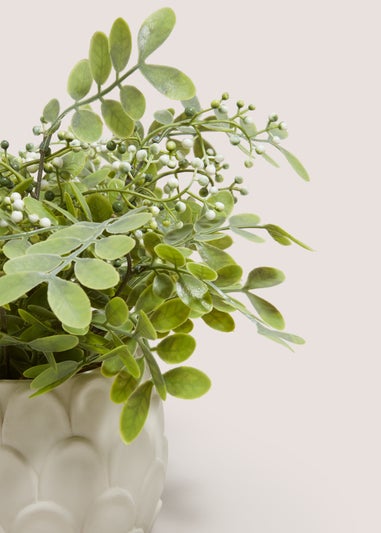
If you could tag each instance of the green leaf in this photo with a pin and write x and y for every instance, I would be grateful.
(60, 246)
(181, 235)
(154, 31)
(283, 237)
(170, 315)
(80, 230)
(274, 335)
(194, 293)
(81, 200)
(54, 343)
(36, 207)
(201, 271)
(128, 360)
(129, 222)
(99, 57)
(74, 163)
(95, 178)
(86, 125)
(148, 301)
(117, 311)
(186, 382)
(215, 257)
(267, 311)
(133, 101)
(32, 263)
(34, 371)
(176, 348)
(100, 206)
(114, 246)
(155, 371)
(135, 412)
(120, 44)
(244, 220)
(219, 320)
(169, 81)
(264, 277)
(52, 377)
(163, 116)
(295, 163)
(112, 366)
(95, 273)
(116, 118)
(69, 303)
(123, 386)
(169, 253)
(247, 235)
(80, 80)
(163, 286)
(15, 248)
(13, 286)
(144, 328)
(228, 275)
(185, 327)
(51, 110)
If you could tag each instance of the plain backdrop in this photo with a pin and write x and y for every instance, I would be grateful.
(284, 442)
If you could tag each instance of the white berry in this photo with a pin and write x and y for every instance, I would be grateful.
(16, 216)
(210, 214)
(45, 222)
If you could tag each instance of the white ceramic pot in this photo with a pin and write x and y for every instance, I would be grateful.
(64, 468)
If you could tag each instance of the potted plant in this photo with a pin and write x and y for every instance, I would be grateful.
(113, 241)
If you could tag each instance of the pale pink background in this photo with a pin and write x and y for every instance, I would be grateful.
(284, 443)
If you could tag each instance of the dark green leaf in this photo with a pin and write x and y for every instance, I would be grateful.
(264, 277)
(99, 57)
(154, 31)
(169, 81)
(186, 382)
(80, 80)
(135, 412)
(123, 386)
(176, 348)
(100, 206)
(86, 125)
(120, 44)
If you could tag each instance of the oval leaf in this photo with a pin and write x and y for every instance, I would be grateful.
(169, 253)
(99, 205)
(96, 274)
(133, 101)
(60, 245)
(116, 311)
(170, 315)
(114, 246)
(99, 57)
(51, 110)
(295, 163)
(117, 119)
(186, 382)
(13, 286)
(69, 303)
(54, 343)
(86, 125)
(154, 31)
(51, 377)
(135, 412)
(176, 348)
(219, 320)
(123, 386)
(267, 311)
(194, 293)
(264, 277)
(32, 263)
(245, 220)
(163, 286)
(129, 222)
(201, 271)
(80, 80)
(120, 44)
(169, 81)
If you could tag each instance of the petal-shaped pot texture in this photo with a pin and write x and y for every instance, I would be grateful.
(64, 468)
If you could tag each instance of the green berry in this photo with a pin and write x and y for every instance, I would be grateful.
(122, 148)
(215, 104)
(203, 192)
(170, 146)
(3, 181)
(111, 145)
(4, 145)
(117, 263)
(49, 195)
(225, 96)
(190, 111)
(117, 206)
(240, 104)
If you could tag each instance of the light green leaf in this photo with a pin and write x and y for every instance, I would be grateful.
(54, 343)
(32, 263)
(267, 311)
(169, 81)
(247, 235)
(36, 207)
(86, 125)
(34, 371)
(244, 220)
(99, 57)
(111, 367)
(214, 257)
(154, 31)
(163, 286)
(13, 286)
(60, 246)
(264, 277)
(128, 360)
(95, 273)
(81, 200)
(51, 110)
(135, 412)
(176, 348)
(95, 178)
(229, 275)
(80, 80)
(295, 163)
(289, 337)
(69, 303)
(123, 386)
(219, 320)
(169, 253)
(155, 371)
(170, 315)
(100, 206)
(52, 377)
(117, 119)
(194, 293)
(133, 101)
(117, 311)
(144, 327)
(179, 236)
(120, 44)
(163, 116)
(148, 300)
(114, 246)
(186, 382)
(80, 230)
(74, 163)
(15, 248)
(129, 222)
(283, 237)
(201, 271)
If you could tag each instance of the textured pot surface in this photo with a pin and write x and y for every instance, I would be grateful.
(64, 468)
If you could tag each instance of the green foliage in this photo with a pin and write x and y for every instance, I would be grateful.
(112, 247)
